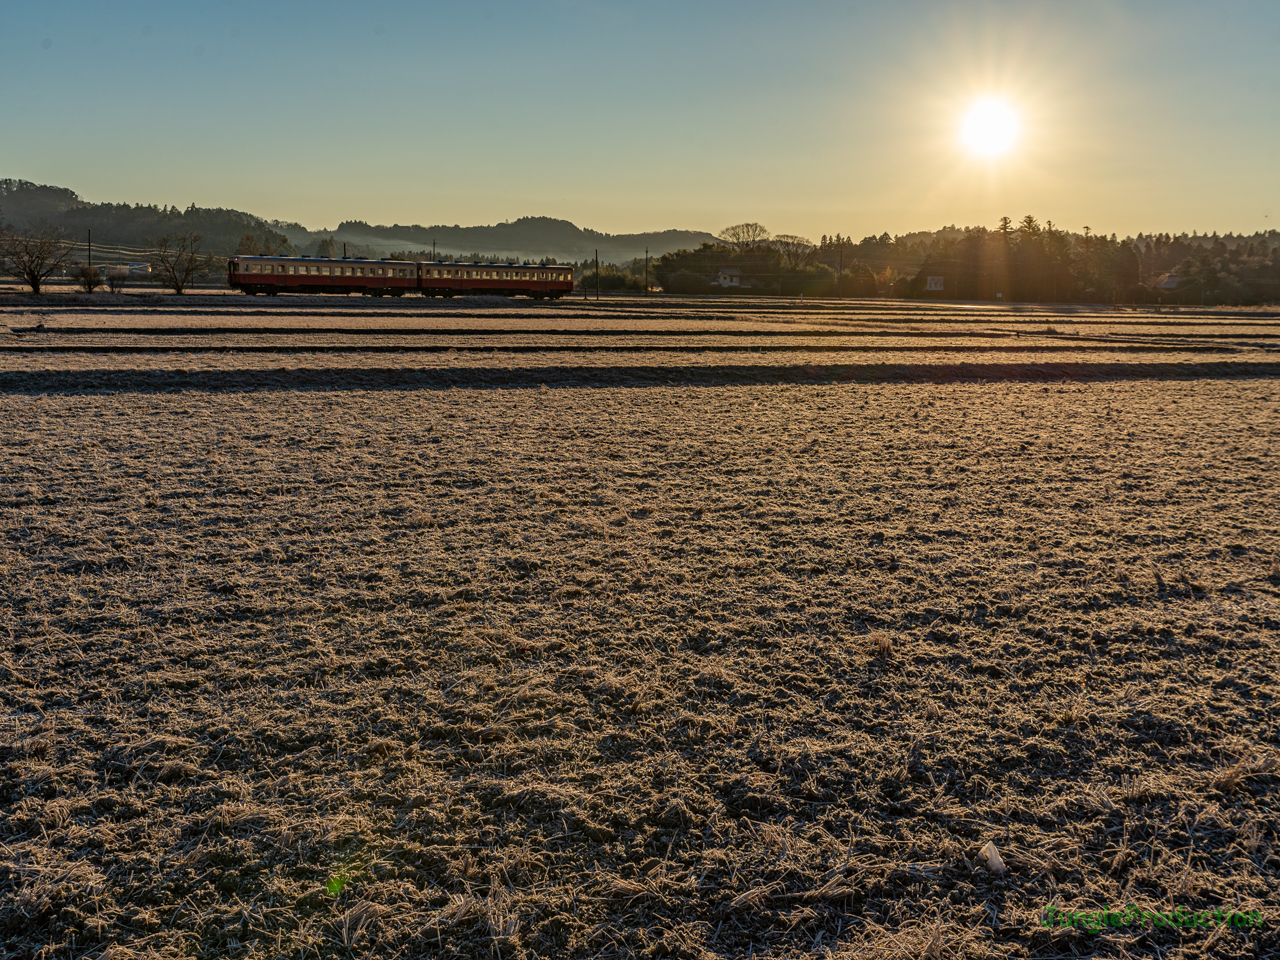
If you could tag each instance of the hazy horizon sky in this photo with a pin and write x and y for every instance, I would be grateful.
(810, 118)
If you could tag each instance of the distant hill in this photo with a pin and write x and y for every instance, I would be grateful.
(126, 227)
(526, 237)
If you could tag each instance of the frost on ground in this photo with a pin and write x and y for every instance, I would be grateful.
(679, 670)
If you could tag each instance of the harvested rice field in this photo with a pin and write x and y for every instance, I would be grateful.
(598, 651)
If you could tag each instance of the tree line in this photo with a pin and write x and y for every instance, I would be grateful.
(40, 251)
(1025, 261)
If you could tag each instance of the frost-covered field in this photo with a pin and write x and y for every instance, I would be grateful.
(354, 655)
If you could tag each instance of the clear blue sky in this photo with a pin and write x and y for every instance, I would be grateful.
(808, 117)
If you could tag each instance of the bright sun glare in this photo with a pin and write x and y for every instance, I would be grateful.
(990, 128)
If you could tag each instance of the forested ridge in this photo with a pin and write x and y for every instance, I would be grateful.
(225, 232)
(1023, 261)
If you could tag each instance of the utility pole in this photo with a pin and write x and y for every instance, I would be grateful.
(433, 251)
(597, 273)
(646, 271)
(90, 249)
(344, 249)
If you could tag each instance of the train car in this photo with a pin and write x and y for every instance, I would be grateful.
(395, 278)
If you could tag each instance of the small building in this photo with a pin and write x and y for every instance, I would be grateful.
(730, 277)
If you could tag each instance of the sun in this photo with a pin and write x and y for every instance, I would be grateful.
(990, 128)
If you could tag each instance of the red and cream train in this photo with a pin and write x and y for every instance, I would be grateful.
(395, 278)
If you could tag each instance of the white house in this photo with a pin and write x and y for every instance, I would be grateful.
(730, 277)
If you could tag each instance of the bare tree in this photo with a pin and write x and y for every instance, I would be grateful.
(176, 259)
(796, 252)
(88, 278)
(35, 254)
(117, 277)
(744, 236)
